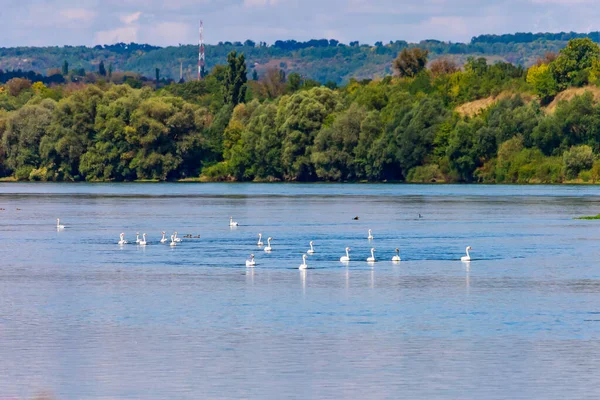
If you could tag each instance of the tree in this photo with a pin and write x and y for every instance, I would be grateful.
(574, 62)
(101, 69)
(157, 72)
(443, 66)
(543, 83)
(410, 62)
(577, 159)
(294, 82)
(16, 85)
(110, 70)
(65, 68)
(254, 75)
(234, 85)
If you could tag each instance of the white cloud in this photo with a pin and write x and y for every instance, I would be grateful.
(168, 33)
(60, 22)
(125, 34)
(260, 3)
(78, 14)
(131, 18)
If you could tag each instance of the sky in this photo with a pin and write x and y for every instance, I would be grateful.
(173, 22)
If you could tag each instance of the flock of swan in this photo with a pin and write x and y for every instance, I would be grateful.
(251, 262)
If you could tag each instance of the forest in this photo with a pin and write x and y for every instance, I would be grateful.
(322, 60)
(431, 121)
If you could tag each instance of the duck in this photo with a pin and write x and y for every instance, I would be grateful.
(311, 250)
(370, 237)
(58, 225)
(164, 238)
(122, 240)
(250, 261)
(232, 222)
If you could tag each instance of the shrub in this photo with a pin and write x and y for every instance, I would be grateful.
(23, 172)
(425, 174)
(577, 159)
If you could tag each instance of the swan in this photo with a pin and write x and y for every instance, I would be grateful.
(370, 237)
(143, 241)
(312, 250)
(250, 262)
(232, 222)
(396, 258)
(164, 239)
(372, 258)
(58, 225)
(346, 258)
(137, 238)
(303, 265)
(175, 238)
(173, 242)
(122, 240)
(260, 242)
(268, 248)
(468, 256)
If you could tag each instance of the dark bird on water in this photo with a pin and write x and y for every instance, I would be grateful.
(355, 218)
(420, 216)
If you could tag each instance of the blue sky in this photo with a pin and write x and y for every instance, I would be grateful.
(170, 22)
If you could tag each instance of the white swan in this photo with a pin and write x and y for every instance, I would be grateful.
(303, 265)
(312, 250)
(396, 258)
(164, 238)
(370, 237)
(372, 258)
(137, 238)
(268, 248)
(346, 258)
(260, 242)
(173, 242)
(468, 256)
(143, 241)
(250, 262)
(58, 225)
(122, 240)
(232, 222)
(175, 238)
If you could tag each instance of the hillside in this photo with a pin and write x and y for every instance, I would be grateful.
(321, 60)
(433, 122)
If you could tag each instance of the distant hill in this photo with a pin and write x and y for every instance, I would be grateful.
(323, 60)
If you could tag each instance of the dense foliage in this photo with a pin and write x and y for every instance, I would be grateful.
(285, 127)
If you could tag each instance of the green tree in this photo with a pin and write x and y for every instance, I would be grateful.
(577, 159)
(101, 69)
(65, 68)
(235, 79)
(410, 62)
(543, 83)
(574, 62)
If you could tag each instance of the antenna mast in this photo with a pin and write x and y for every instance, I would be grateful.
(201, 59)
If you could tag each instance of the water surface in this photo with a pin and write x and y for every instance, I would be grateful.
(82, 318)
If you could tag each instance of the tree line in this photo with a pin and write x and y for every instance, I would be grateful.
(285, 127)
